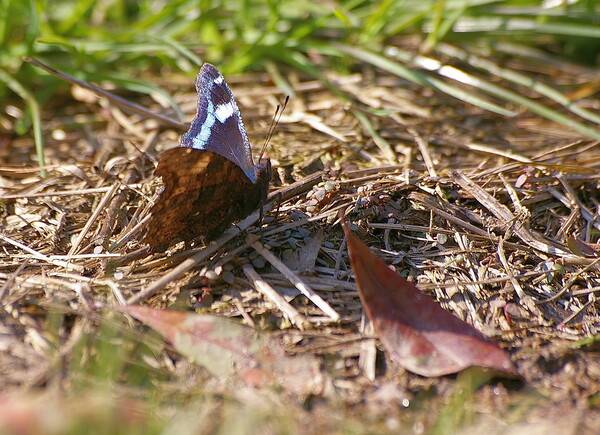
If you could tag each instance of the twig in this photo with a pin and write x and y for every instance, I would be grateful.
(570, 282)
(284, 193)
(90, 281)
(262, 286)
(525, 300)
(424, 149)
(296, 188)
(11, 279)
(114, 208)
(77, 192)
(244, 314)
(434, 206)
(99, 209)
(128, 234)
(41, 256)
(577, 313)
(513, 196)
(295, 279)
(187, 264)
(505, 215)
(76, 256)
(572, 196)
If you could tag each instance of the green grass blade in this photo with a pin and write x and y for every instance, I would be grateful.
(77, 15)
(33, 30)
(422, 79)
(280, 81)
(183, 50)
(302, 63)
(458, 75)
(441, 28)
(36, 118)
(381, 143)
(505, 94)
(519, 79)
(375, 22)
(513, 25)
(434, 35)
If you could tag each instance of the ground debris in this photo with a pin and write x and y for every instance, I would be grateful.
(478, 215)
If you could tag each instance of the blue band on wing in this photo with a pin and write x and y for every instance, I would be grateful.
(201, 139)
(218, 125)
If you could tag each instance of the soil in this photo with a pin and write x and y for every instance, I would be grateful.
(495, 217)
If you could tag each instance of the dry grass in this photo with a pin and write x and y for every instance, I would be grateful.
(475, 208)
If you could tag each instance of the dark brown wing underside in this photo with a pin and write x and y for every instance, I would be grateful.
(203, 194)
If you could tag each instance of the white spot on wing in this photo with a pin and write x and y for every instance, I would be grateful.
(224, 111)
(219, 80)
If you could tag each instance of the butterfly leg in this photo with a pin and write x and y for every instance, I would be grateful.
(278, 200)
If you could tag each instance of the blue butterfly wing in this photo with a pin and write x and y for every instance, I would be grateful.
(211, 180)
(218, 125)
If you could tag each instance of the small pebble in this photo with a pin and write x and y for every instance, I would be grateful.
(211, 275)
(303, 232)
(228, 277)
(259, 262)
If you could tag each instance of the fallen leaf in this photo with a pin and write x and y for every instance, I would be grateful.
(226, 348)
(415, 330)
(582, 248)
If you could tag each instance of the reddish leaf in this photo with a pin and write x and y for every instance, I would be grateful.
(417, 332)
(225, 347)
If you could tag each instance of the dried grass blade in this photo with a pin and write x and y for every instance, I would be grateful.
(41, 256)
(65, 192)
(505, 215)
(525, 299)
(383, 145)
(590, 217)
(11, 279)
(460, 76)
(282, 194)
(110, 96)
(192, 261)
(565, 288)
(99, 209)
(295, 279)
(269, 292)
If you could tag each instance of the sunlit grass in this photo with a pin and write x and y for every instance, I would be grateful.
(113, 41)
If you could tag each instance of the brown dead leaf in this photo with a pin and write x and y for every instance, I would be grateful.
(417, 332)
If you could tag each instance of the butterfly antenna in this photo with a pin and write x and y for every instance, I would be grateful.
(278, 112)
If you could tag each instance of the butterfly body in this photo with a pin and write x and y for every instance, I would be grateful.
(210, 181)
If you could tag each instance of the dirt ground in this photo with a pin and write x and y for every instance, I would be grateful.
(495, 217)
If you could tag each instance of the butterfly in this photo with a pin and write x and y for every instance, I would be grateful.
(210, 181)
